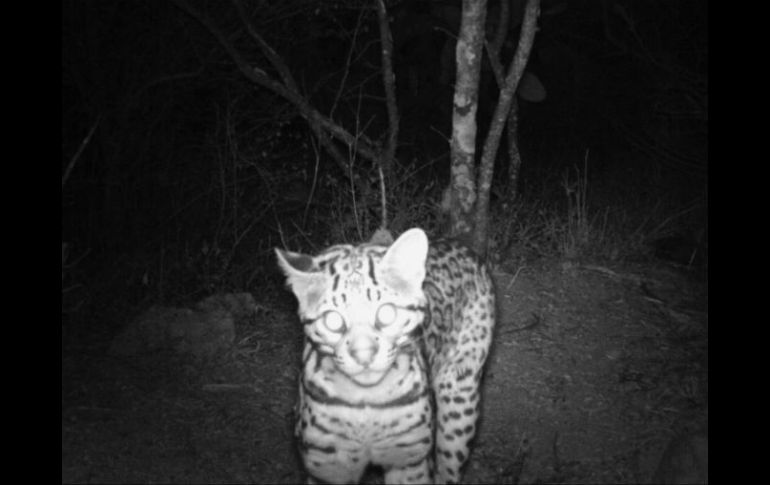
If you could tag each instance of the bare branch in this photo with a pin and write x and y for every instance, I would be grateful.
(346, 70)
(256, 75)
(288, 90)
(493, 54)
(493, 48)
(276, 60)
(502, 111)
(389, 82)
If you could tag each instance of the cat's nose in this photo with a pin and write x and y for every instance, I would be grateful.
(363, 349)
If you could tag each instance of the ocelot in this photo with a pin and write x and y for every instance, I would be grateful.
(395, 343)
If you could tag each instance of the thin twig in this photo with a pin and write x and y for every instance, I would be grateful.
(346, 70)
(515, 276)
(315, 180)
(352, 162)
(383, 201)
(77, 154)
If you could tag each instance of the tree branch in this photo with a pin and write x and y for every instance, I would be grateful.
(494, 47)
(502, 110)
(389, 83)
(276, 60)
(493, 53)
(287, 89)
(346, 70)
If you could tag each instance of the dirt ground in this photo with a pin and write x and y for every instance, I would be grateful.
(594, 369)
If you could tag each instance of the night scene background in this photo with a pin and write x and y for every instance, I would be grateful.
(182, 169)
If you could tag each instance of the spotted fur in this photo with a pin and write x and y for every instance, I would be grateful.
(396, 340)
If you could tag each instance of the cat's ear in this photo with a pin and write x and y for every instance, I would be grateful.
(303, 277)
(403, 265)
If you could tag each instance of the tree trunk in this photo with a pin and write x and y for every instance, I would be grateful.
(389, 84)
(462, 185)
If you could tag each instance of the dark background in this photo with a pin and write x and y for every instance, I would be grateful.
(194, 173)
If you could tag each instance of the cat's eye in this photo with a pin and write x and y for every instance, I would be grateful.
(386, 315)
(334, 322)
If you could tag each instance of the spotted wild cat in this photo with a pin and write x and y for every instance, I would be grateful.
(395, 343)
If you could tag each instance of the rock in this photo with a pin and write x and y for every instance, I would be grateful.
(240, 305)
(201, 333)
